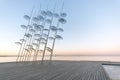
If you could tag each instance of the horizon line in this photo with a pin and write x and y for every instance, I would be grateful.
(67, 55)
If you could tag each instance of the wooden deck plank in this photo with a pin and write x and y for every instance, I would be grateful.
(58, 70)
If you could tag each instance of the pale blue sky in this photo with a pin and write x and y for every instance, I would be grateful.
(93, 26)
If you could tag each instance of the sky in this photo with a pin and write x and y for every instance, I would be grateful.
(92, 28)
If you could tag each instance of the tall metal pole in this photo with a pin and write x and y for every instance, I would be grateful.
(28, 54)
(44, 22)
(38, 42)
(55, 35)
(22, 46)
(48, 35)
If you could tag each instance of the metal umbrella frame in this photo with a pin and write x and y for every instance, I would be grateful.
(36, 34)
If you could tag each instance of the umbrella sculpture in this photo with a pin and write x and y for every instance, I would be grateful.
(37, 33)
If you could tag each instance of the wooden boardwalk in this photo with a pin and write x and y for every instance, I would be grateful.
(58, 70)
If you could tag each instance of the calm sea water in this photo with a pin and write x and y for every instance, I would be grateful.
(73, 58)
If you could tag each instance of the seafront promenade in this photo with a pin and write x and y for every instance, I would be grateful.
(58, 70)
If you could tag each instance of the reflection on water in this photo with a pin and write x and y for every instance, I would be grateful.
(113, 71)
(73, 58)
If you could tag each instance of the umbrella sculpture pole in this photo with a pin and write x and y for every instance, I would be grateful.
(36, 27)
(22, 45)
(39, 34)
(48, 35)
(30, 44)
(41, 18)
(26, 50)
(29, 48)
(56, 36)
(26, 46)
(32, 32)
(28, 36)
(43, 24)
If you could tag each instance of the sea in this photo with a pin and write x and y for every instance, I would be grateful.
(70, 58)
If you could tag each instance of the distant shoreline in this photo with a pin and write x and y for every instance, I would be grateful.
(69, 55)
